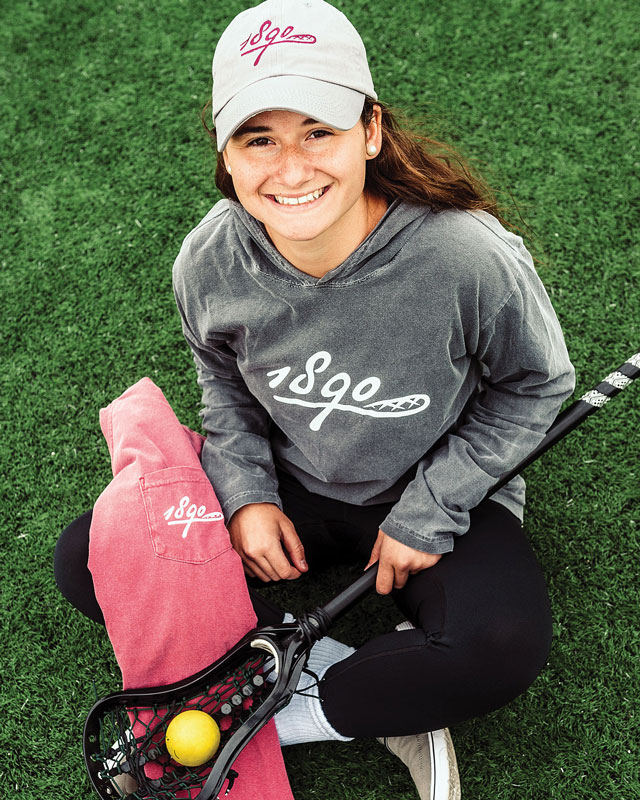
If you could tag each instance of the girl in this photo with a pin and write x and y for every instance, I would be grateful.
(374, 350)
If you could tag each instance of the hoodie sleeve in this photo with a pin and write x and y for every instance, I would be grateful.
(527, 375)
(236, 455)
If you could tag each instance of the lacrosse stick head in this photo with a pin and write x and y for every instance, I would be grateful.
(124, 734)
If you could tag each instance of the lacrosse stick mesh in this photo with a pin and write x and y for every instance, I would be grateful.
(130, 747)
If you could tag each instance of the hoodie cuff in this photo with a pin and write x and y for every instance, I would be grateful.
(434, 543)
(237, 501)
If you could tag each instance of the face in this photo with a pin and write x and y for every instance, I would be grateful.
(304, 180)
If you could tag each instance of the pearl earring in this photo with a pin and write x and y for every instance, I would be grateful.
(228, 168)
(372, 149)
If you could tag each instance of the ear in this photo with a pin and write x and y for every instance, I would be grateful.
(373, 133)
(223, 160)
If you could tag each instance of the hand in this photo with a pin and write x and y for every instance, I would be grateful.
(258, 531)
(397, 562)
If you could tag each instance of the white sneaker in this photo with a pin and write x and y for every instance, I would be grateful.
(432, 763)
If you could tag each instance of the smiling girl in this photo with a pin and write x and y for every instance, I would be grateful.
(375, 350)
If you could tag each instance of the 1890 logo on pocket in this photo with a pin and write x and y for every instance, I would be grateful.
(185, 515)
(181, 525)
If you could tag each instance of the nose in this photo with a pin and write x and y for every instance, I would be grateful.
(294, 167)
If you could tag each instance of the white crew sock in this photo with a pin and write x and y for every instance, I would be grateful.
(303, 719)
(405, 626)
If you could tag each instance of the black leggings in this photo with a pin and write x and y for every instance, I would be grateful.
(482, 617)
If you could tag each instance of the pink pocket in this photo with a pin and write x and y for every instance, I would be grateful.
(183, 514)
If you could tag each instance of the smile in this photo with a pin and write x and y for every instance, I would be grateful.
(304, 199)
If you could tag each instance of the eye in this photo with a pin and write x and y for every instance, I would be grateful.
(320, 134)
(261, 141)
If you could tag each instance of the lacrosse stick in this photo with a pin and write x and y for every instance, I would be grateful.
(124, 733)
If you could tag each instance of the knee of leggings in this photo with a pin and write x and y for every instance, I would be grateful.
(71, 572)
(71, 554)
(516, 651)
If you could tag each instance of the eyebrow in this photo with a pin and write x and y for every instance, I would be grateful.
(245, 130)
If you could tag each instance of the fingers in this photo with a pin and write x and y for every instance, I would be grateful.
(271, 563)
(258, 532)
(252, 569)
(395, 576)
(391, 577)
(396, 562)
(386, 578)
(273, 566)
(293, 546)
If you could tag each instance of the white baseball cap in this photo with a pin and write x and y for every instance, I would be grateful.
(291, 55)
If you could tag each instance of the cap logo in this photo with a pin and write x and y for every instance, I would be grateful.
(268, 36)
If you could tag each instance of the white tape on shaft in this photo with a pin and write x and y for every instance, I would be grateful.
(595, 398)
(618, 380)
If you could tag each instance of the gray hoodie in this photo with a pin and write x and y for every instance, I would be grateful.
(416, 372)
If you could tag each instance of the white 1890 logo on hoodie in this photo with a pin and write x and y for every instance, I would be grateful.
(337, 387)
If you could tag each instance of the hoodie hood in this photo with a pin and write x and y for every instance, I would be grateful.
(394, 229)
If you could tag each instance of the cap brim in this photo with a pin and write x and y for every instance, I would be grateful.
(329, 103)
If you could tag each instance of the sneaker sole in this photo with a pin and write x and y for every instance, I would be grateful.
(443, 765)
(445, 784)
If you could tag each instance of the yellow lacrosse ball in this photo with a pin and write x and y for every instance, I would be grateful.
(192, 738)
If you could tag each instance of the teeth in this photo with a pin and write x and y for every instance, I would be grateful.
(298, 201)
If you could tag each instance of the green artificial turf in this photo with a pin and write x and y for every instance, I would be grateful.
(104, 171)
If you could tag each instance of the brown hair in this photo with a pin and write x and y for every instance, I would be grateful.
(410, 166)
(421, 170)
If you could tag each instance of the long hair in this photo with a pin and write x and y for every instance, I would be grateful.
(410, 166)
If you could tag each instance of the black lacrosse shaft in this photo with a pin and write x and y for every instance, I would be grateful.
(564, 423)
